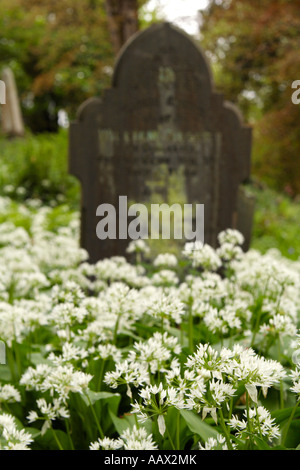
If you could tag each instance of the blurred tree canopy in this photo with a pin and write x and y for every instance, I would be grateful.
(255, 47)
(61, 52)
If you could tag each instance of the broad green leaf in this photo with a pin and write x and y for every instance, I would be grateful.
(283, 415)
(49, 441)
(128, 421)
(292, 439)
(196, 425)
(5, 374)
(121, 424)
(112, 399)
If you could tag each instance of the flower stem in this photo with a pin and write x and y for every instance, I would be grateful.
(285, 433)
(191, 329)
(225, 430)
(96, 418)
(56, 439)
(178, 431)
(69, 434)
(100, 378)
(170, 439)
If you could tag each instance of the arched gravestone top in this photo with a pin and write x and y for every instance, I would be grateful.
(161, 117)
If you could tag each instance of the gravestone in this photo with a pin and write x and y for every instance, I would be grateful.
(11, 117)
(160, 118)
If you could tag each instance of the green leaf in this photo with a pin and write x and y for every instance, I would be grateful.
(283, 415)
(5, 374)
(292, 440)
(49, 441)
(121, 424)
(111, 399)
(197, 425)
(261, 444)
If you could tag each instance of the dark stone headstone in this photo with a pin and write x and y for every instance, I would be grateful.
(161, 118)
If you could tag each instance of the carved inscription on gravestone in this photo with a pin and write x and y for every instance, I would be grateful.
(160, 122)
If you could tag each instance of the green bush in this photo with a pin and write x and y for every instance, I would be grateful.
(36, 166)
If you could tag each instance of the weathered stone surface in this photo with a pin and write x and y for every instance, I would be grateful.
(161, 117)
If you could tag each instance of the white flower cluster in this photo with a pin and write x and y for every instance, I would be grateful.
(258, 422)
(130, 439)
(13, 438)
(186, 339)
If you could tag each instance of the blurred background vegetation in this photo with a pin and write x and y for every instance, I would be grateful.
(63, 51)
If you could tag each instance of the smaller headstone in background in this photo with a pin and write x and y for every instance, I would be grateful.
(11, 117)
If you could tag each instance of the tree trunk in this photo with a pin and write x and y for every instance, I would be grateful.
(122, 21)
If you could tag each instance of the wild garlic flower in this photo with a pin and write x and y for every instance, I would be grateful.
(127, 373)
(260, 423)
(182, 381)
(70, 293)
(105, 351)
(229, 252)
(138, 246)
(281, 325)
(106, 444)
(232, 367)
(67, 314)
(137, 439)
(209, 398)
(232, 236)
(207, 362)
(14, 325)
(70, 353)
(64, 379)
(120, 303)
(295, 376)
(254, 371)
(165, 277)
(13, 438)
(130, 439)
(157, 352)
(60, 380)
(165, 259)
(9, 394)
(49, 412)
(222, 321)
(218, 443)
(33, 378)
(202, 255)
(167, 306)
(155, 402)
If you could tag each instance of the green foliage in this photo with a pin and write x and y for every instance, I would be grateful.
(276, 222)
(60, 53)
(37, 167)
(254, 46)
